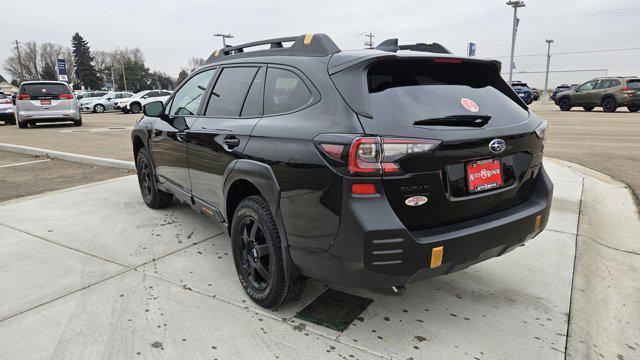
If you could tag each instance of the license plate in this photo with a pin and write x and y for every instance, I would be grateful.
(45, 102)
(484, 175)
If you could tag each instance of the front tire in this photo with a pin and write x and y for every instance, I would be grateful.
(99, 108)
(23, 124)
(565, 104)
(588, 108)
(135, 108)
(151, 195)
(633, 108)
(609, 105)
(257, 254)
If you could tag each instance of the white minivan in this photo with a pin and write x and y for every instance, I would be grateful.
(46, 101)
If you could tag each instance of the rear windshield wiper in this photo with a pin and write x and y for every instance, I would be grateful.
(456, 120)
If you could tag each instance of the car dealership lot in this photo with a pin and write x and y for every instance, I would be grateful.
(124, 281)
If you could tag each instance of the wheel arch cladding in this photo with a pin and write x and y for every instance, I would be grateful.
(138, 144)
(247, 176)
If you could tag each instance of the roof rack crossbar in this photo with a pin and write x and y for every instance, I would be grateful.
(391, 45)
(303, 45)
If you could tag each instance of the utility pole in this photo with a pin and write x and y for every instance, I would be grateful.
(546, 77)
(124, 76)
(369, 43)
(224, 38)
(19, 61)
(113, 80)
(515, 4)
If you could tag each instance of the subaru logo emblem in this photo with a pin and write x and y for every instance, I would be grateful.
(497, 146)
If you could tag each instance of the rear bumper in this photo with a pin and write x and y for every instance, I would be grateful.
(49, 116)
(374, 250)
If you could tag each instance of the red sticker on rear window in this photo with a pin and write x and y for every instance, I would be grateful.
(469, 105)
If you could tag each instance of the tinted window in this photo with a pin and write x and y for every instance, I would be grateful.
(253, 103)
(634, 84)
(604, 84)
(614, 83)
(405, 91)
(230, 91)
(44, 90)
(588, 86)
(284, 92)
(188, 98)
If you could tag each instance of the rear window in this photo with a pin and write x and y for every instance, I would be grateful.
(44, 90)
(634, 84)
(406, 91)
(3, 96)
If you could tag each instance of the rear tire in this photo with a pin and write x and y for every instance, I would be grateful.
(151, 195)
(257, 254)
(12, 121)
(633, 108)
(135, 108)
(565, 104)
(23, 124)
(609, 105)
(77, 122)
(588, 108)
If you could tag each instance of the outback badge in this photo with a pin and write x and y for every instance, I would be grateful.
(416, 200)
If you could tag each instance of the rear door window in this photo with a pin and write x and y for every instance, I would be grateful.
(405, 91)
(284, 92)
(230, 91)
(44, 90)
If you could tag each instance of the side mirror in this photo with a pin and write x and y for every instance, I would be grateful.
(109, 99)
(154, 109)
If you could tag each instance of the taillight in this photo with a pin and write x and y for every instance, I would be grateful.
(23, 97)
(5, 101)
(448, 60)
(65, 96)
(380, 155)
(628, 91)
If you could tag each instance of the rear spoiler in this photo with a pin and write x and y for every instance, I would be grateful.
(391, 45)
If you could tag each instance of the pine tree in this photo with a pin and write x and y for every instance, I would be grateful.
(86, 73)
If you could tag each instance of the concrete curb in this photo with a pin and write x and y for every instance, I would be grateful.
(604, 319)
(83, 159)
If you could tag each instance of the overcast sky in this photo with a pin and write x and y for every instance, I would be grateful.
(172, 31)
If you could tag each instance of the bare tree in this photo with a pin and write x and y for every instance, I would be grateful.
(49, 54)
(196, 62)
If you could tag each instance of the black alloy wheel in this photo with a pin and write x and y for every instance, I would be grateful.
(633, 108)
(255, 254)
(144, 179)
(565, 104)
(151, 195)
(609, 105)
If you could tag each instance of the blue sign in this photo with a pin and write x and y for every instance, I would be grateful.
(62, 70)
(471, 50)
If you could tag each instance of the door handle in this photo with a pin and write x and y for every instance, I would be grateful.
(231, 141)
(181, 136)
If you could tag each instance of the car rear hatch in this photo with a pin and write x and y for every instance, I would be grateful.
(461, 106)
(633, 89)
(49, 97)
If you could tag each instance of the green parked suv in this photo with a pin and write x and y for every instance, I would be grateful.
(610, 93)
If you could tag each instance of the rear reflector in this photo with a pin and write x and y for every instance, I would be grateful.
(436, 256)
(536, 226)
(363, 189)
(333, 150)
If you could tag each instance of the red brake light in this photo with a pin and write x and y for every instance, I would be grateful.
(374, 155)
(5, 101)
(23, 97)
(448, 60)
(363, 189)
(66, 96)
(333, 150)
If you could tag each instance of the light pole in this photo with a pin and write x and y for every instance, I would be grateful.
(515, 4)
(224, 37)
(546, 76)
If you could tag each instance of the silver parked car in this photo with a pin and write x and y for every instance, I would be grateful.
(104, 103)
(6, 109)
(46, 101)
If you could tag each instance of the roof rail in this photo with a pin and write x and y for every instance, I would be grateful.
(391, 45)
(303, 45)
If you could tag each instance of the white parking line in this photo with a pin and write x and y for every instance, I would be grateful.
(24, 163)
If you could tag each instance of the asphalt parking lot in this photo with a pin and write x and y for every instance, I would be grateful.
(125, 281)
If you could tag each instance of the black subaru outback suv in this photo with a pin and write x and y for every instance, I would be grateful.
(368, 168)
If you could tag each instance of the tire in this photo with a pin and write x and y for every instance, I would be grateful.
(125, 111)
(12, 121)
(588, 108)
(633, 108)
(23, 124)
(565, 104)
(78, 122)
(257, 254)
(609, 105)
(99, 108)
(135, 108)
(151, 195)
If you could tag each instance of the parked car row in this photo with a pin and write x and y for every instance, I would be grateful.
(134, 104)
(104, 102)
(610, 93)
